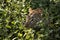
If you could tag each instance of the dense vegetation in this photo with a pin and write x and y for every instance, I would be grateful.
(13, 14)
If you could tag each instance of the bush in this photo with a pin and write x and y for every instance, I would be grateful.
(13, 14)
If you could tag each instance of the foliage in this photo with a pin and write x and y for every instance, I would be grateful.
(13, 14)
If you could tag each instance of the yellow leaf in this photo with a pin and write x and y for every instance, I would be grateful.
(19, 34)
(7, 26)
(8, 0)
(27, 37)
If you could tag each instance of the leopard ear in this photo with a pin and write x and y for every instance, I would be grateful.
(30, 10)
(39, 10)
